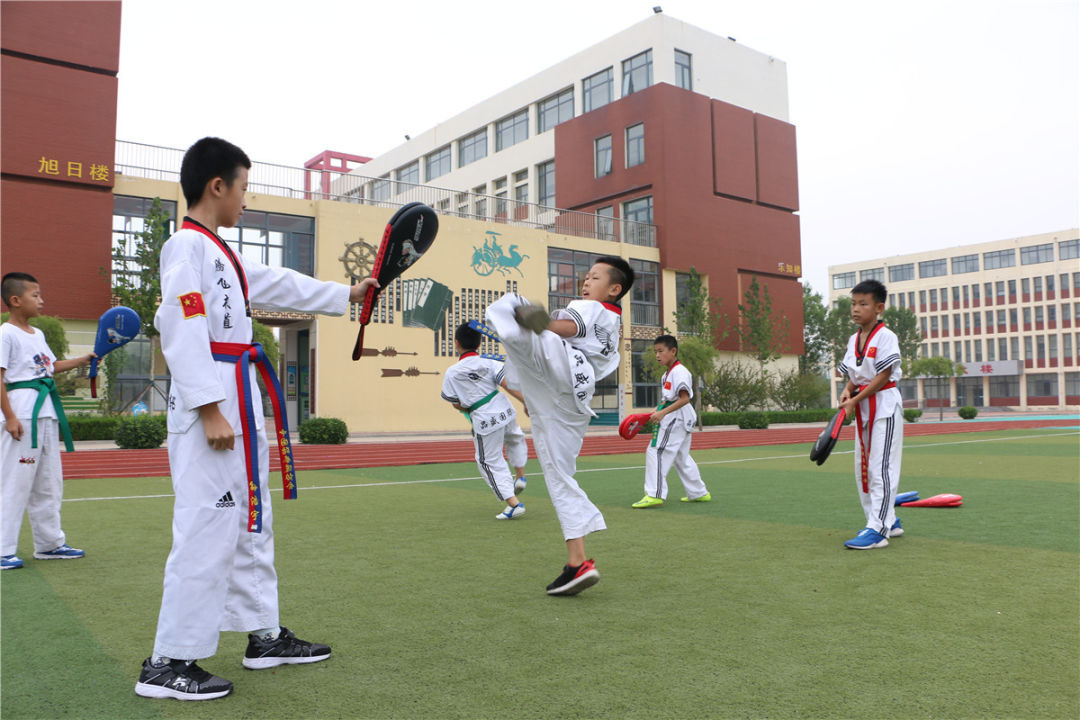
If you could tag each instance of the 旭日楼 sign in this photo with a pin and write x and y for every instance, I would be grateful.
(69, 169)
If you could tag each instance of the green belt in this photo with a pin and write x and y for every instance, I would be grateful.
(480, 403)
(46, 387)
(656, 429)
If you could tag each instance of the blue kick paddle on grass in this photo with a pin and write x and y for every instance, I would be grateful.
(117, 327)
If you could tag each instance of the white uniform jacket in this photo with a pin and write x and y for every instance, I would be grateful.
(677, 379)
(470, 380)
(598, 327)
(861, 364)
(206, 290)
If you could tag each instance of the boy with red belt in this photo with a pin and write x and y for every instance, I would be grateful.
(872, 365)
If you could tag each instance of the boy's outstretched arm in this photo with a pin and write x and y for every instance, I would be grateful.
(65, 365)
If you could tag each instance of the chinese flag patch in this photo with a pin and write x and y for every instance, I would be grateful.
(872, 352)
(192, 304)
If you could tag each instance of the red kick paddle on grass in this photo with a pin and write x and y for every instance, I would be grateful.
(943, 500)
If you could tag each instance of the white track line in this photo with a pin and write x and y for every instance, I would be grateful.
(590, 470)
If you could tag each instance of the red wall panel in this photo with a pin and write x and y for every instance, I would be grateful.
(61, 235)
(83, 33)
(778, 182)
(734, 164)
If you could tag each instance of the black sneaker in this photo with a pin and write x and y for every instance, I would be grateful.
(574, 579)
(285, 650)
(180, 680)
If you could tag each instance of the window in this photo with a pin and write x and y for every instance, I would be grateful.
(1066, 351)
(437, 164)
(999, 288)
(967, 320)
(1049, 283)
(597, 89)
(479, 201)
(989, 288)
(645, 293)
(646, 389)
(967, 351)
(1042, 385)
(1076, 282)
(566, 273)
(990, 350)
(1069, 249)
(1002, 349)
(966, 294)
(842, 281)
(1029, 353)
(472, 147)
(1039, 313)
(999, 259)
(554, 109)
(635, 145)
(990, 320)
(639, 216)
(380, 189)
(922, 297)
(933, 297)
(500, 197)
(922, 325)
(1025, 286)
(977, 320)
(1014, 348)
(933, 268)
(605, 223)
(602, 155)
(545, 181)
(512, 130)
(933, 323)
(956, 324)
(275, 240)
(1012, 317)
(683, 77)
(1001, 317)
(902, 272)
(129, 215)
(944, 298)
(521, 187)
(965, 264)
(955, 296)
(1064, 279)
(1051, 343)
(637, 73)
(1037, 254)
(975, 292)
(872, 274)
(408, 174)
(1038, 285)
(1005, 386)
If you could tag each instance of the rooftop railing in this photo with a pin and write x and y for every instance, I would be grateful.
(163, 163)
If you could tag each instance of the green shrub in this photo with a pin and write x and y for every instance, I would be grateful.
(753, 421)
(140, 431)
(912, 414)
(967, 412)
(92, 427)
(323, 431)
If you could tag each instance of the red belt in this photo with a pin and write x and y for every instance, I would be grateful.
(242, 355)
(864, 445)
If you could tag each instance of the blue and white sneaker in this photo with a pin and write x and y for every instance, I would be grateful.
(867, 539)
(10, 562)
(509, 513)
(519, 485)
(64, 552)
(896, 530)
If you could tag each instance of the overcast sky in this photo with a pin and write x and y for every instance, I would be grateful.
(919, 124)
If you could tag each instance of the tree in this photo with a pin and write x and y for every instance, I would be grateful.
(137, 277)
(939, 368)
(796, 390)
(905, 324)
(839, 328)
(700, 314)
(815, 339)
(734, 386)
(761, 335)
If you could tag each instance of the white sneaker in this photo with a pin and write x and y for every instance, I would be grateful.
(519, 485)
(511, 512)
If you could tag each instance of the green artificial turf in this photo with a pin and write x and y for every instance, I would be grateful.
(747, 606)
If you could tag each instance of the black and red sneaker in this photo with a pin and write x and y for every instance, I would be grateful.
(575, 579)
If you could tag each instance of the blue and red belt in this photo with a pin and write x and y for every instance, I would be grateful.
(864, 445)
(243, 355)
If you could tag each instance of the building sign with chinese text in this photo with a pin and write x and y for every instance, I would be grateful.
(993, 368)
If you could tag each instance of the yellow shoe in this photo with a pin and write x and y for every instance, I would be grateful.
(647, 502)
(704, 498)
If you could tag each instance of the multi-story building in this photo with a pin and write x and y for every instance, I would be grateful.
(663, 124)
(1008, 310)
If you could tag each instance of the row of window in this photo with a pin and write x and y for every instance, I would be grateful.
(1035, 347)
(597, 90)
(635, 150)
(1031, 255)
(969, 389)
(566, 273)
(1002, 289)
(1008, 318)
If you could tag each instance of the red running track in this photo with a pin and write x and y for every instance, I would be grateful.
(155, 463)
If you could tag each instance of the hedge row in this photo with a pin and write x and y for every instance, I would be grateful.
(764, 419)
(142, 431)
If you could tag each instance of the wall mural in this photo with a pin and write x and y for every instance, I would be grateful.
(490, 257)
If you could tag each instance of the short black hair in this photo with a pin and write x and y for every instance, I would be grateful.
(667, 341)
(14, 283)
(207, 159)
(468, 338)
(871, 287)
(620, 273)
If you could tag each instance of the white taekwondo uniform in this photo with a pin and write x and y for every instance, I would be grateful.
(670, 445)
(218, 576)
(879, 424)
(473, 382)
(558, 378)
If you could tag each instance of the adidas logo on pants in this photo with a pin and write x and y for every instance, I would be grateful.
(226, 501)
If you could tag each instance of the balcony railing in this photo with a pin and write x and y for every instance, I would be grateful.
(162, 163)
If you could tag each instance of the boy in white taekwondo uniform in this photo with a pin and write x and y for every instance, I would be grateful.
(872, 365)
(472, 386)
(556, 361)
(220, 573)
(674, 422)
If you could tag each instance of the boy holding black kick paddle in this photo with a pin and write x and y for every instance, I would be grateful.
(872, 365)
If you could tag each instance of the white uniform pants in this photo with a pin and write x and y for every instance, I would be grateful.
(33, 482)
(489, 457)
(672, 449)
(886, 440)
(218, 575)
(538, 363)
